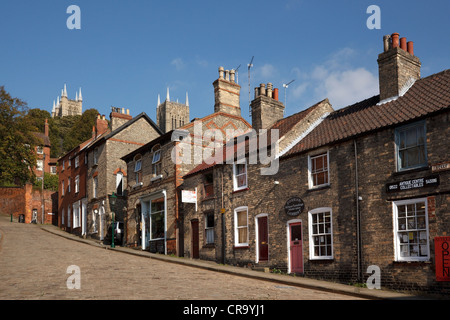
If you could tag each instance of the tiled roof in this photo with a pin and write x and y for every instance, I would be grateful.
(427, 96)
(284, 125)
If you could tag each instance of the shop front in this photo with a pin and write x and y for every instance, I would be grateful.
(154, 222)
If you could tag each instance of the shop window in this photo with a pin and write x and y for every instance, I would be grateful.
(411, 149)
(321, 234)
(411, 230)
(318, 170)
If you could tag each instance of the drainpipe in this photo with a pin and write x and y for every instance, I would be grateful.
(222, 214)
(358, 222)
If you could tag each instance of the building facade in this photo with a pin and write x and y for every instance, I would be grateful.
(154, 198)
(365, 189)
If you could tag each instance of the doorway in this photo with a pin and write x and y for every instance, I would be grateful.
(263, 238)
(195, 239)
(295, 247)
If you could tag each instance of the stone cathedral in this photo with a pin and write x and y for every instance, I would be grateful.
(67, 107)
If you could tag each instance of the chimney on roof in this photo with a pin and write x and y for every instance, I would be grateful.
(266, 109)
(46, 128)
(397, 65)
(119, 117)
(101, 125)
(227, 93)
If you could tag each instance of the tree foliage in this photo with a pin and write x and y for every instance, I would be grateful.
(17, 141)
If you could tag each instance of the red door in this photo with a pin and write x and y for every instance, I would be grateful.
(263, 239)
(195, 239)
(296, 250)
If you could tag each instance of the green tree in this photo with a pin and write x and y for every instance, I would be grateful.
(17, 142)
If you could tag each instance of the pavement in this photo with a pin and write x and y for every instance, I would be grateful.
(374, 294)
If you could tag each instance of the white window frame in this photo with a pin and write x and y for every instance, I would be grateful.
(77, 161)
(40, 150)
(138, 168)
(236, 227)
(76, 215)
(405, 128)
(310, 173)
(209, 231)
(119, 180)
(77, 184)
(235, 176)
(312, 255)
(397, 243)
(69, 182)
(156, 162)
(63, 191)
(40, 165)
(95, 187)
(62, 216)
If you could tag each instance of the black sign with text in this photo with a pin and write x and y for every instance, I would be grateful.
(413, 184)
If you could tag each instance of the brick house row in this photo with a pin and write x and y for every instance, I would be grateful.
(366, 185)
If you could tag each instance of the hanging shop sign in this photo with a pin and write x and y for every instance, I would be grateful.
(413, 184)
(294, 206)
(442, 256)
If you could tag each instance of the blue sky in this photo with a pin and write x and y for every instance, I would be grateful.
(128, 52)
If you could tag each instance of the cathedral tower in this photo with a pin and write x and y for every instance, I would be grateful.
(66, 107)
(171, 115)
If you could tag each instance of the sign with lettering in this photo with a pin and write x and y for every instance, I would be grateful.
(188, 196)
(440, 167)
(442, 258)
(413, 184)
(294, 206)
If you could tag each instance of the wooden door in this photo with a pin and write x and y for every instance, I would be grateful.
(296, 247)
(263, 239)
(195, 239)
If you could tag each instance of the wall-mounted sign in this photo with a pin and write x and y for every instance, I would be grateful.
(294, 206)
(413, 184)
(188, 196)
(440, 166)
(442, 256)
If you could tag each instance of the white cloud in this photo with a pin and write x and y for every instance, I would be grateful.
(178, 63)
(266, 71)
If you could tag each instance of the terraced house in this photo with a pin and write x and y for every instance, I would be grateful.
(365, 187)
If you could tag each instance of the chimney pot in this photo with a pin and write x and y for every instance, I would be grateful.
(403, 43)
(386, 42)
(128, 111)
(275, 94)
(269, 90)
(395, 40)
(262, 89)
(232, 72)
(410, 47)
(220, 72)
(123, 110)
(227, 75)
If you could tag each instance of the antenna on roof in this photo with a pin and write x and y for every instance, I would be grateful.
(286, 85)
(237, 74)
(249, 98)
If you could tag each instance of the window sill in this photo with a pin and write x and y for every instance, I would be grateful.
(240, 190)
(412, 170)
(158, 177)
(209, 245)
(411, 262)
(241, 247)
(321, 187)
(137, 185)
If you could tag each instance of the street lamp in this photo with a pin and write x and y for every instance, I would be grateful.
(112, 201)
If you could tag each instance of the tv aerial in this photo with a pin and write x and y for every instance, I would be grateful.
(285, 86)
(249, 97)
(237, 74)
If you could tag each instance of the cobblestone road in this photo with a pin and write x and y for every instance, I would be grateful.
(33, 265)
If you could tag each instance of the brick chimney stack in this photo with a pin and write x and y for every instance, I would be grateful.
(266, 109)
(118, 117)
(101, 125)
(46, 128)
(227, 93)
(397, 65)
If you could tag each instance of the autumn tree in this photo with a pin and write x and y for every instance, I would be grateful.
(17, 142)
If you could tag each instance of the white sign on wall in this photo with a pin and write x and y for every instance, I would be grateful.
(188, 196)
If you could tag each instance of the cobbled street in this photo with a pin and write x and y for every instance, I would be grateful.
(34, 262)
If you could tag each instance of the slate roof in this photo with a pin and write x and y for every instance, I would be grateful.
(427, 96)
